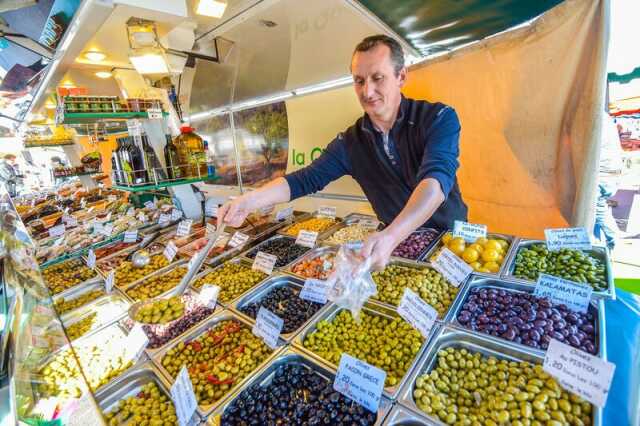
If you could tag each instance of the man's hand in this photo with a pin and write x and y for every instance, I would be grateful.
(233, 213)
(379, 246)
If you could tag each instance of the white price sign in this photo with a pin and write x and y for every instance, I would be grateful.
(268, 327)
(136, 343)
(266, 209)
(454, 269)
(209, 295)
(176, 214)
(164, 219)
(315, 290)
(264, 262)
(211, 211)
(360, 382)
(369, 223)
(107, 230)
(327, 211)
(56, 231)
(284, 213)
(184, 228)
(130, 236)
(91, 259)
(307, 238)
(183, 397)
(575, 295)
(70, 220)
(210, 229)
(142, 217)
(170, 251)
(238, 239)
(150, 205)
(154, 114)
(417, 312)
(470, 232)
(83, 203)
(569, 238)
(579, 372)
(131, 211)
(110, 281)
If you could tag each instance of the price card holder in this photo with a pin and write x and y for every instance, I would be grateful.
(209, 295)
(284, 213)
(454, 269)
(417, 312)
(470, 232)
(268, 327)
(264, 262)
(184, 228)
(136, 342)
(569, 238)
(266, 209)
(238, 239)
(176, 214)
(91, 259)
(130, 236)
(142, 217)
(164, 219)
(170, 251)
(110, 281)
(57, 231)
(327, 211)
(183, 397)
(360, 382)
(307, 238)
(369, 223)
(315, 290)
(154, 114)
(150, 205)
(575, 295)
(211, 211)
(579, 372)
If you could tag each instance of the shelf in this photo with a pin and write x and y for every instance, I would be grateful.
(49, 145)
(79, 174)
(161, 185)
(90, 117)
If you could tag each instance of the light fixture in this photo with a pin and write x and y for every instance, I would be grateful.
(149, 61)
(212, 8)
(94, 56)
(146, 54)
(68, 84)
(50, 105)
(103, 74)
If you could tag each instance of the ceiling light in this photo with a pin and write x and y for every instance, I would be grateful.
(149, 61)
(94, 56)
(103, 74)
(68, 84)
(50, 105)
(212, 8)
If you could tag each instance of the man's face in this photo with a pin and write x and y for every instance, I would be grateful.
(375, 81)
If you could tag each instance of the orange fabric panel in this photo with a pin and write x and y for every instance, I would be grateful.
(104, 148)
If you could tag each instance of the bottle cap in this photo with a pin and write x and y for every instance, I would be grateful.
(185, 128)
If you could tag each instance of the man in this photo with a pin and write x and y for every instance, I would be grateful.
(403, 153)
(8, 174)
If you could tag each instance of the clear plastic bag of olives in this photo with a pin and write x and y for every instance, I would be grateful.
(351, 284)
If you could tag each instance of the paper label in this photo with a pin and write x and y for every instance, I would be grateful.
(164, 219)
(184, 228)
(130, 236)
(579, 372)
(417, 312)
(176, 214)
(56, 231)
(284, 213)
(268, 327)
(83, 203)
(470, 232)
(110, 281)
(70, 220)
(307, 238)
(142, 217)
(575, 295)
(136, 342)
(150, 205)
(327, 211)
(454, 269)
(210, 229)
(59, 241)
(570, 238)
(264, 262)
(183, 397)
(154, 114)
(266, 209)
(91, 259)
(107, 230)
(211, 211)
(360, 381)
(238, 239)
(209, 295)
(131, 211)
(369, 223)
(112, 198)
(170, 251)
(315, 290)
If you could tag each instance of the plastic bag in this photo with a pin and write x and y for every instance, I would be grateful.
(351, 284)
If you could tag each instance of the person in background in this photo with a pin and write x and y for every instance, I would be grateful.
(8, 174)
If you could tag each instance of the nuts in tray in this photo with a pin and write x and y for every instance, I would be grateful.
(350, 234)
(233, 278)
(126, 273)
(63, 306)
(389, 344)
(468, 387)
(415, 244)
(217, 360)
(484, 255)
(317, 224)
(65, 275)
(319, 267)
(285, 249)
(161, 311)
(149, 406)
(428, 283)
(157, 285)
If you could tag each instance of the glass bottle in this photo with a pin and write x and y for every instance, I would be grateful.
(125, 162)
(191, 151)
(150, 160)
(115, 163)
(211, 168)
(172, 159)
(137, 163)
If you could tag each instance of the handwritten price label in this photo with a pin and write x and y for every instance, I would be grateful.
(264, 262)
(307, 238)
(570, 238)
(315, 290)
(360, 382)
(268, 327)
(470, 232)
(417, 312)
(575, 295)
(454, 269)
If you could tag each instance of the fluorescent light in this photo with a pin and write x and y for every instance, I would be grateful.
(103, 74)
(49, 105)
(149, 61)
(212, 8)
(344, 81)
(94, 56)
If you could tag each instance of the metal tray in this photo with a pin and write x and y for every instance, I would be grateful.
(77, 291)
(599, 252)
(347, 221)
(93, 280)
(258, 293)
(311, 254)
(330, 312)
(452, 337)
(316, 214)
(102, 272)
(161, 271)
(402, 416)
(290, 356)
(512, 240)
(428, 247)
(108, 309)
(203, 411)
(245, 254)
(596, 307)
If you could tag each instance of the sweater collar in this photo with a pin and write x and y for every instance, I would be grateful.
(367, 124)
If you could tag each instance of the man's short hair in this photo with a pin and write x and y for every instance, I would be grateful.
(9, 157)
(397, 55)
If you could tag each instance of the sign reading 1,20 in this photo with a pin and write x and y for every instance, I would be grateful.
(300, 158)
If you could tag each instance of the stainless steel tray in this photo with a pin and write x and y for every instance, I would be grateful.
(347, 221)
(309, 216)
(75, 292)
(596, 307)
(108, 310)
(452, 337)
(402, 416)
(161, 271)
(203, 411)
(512, 240)
(599, 252)
(258, 293)
(311, 254)
(330, 312)
(245, 254)
(438, 236)
(290, 356)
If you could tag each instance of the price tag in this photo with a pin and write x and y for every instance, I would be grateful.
(569, 238)
(210, 229)
(142, 217)
(131, 236)
(164, 219)
(454, 269)
(57, 231)
(131, 211)
(327, 211)
(579, 372)
(360, 381)
(83, 203)
(110, 281)
(170, 251)
(369, 223)
(91, 259)
(268, 327)
(136, 342)
(150, 205)
(211, 211)
(264, 262)
(154, 114)
(184, 228)
(238, 239)
(266, 209)
(97, 228)
(183, 397)
(307, 238)
(58, 242)
(284, 213)
(209, 295)
(112, 198)
(417, 312)
(575, 295)
(315, 290)
(176, 214)
(107, 230)
(470, 232)
(70, 220)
